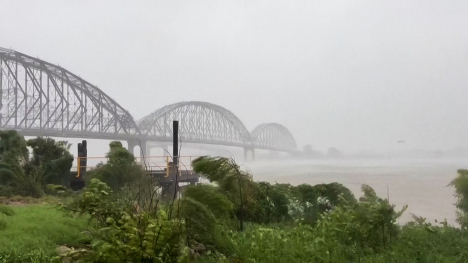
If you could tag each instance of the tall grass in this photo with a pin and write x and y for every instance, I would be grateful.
(36, 230)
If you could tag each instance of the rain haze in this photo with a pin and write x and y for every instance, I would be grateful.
(359, 76)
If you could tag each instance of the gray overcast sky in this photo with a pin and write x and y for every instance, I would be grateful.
(350, 74)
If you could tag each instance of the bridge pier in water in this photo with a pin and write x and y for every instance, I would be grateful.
(144, 149)
(246, 154)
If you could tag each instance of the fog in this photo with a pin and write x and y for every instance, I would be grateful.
(356, 75)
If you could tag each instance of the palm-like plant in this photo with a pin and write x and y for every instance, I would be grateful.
(234, 182)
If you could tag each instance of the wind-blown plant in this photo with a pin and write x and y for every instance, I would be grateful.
(367, 224)
(460, 183)
(24, 175)
(125, 234)
(235, 183)
(54, 157)
(120, 169)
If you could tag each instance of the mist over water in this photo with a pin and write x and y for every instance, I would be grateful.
(419, 183)
(360, 76)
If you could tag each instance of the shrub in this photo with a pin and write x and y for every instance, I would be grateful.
(272, 204)
(200, 223)
(126, 235)
(461, 193)
(367, 224)
(57, 190)
(332, 193)
(211, 197)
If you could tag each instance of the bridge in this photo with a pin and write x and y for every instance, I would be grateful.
(42, 99)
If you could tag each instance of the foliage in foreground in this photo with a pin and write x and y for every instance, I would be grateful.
(22, 174)
(325, 223)
(460, 183)
(124, 235)
(300, 244)
(282, 223)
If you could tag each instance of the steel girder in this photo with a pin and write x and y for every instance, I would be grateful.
(273, 136)
(41, 98)
(200, 122)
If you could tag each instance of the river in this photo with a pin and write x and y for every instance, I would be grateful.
(421, 184)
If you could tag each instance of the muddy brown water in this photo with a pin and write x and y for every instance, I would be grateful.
(421, 184)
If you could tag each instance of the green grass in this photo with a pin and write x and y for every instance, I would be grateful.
(297, 244)
(6, 210)
(36, 230)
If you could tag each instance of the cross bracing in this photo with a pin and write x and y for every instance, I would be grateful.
(42, 99)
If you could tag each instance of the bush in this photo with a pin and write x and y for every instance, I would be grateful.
(461, 193)
(272, 204)
(58, 190)
(367, 224)
(200, 223)
(7, 191)
(332, 193)
(125, 235)
(210, 196)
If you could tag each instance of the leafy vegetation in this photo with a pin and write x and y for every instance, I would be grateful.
(234, 219)
(22, 174)
(120, 169)
(461, 192)
(124, 235)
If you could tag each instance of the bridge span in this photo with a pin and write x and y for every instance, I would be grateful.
(42, 99)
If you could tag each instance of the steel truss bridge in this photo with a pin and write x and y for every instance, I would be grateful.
(42, 99)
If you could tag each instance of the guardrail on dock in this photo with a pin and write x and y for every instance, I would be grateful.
(151, 163)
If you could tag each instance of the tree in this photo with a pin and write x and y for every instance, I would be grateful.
(54, 157)
(334, 153)
(20, 174)
(17, 174)
(120, 169)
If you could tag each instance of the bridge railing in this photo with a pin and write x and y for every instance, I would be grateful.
(150, 163)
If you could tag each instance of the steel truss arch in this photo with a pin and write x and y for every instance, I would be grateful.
(199, 122)
(273, 136)
(38, 97)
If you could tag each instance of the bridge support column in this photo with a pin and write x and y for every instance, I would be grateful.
(144, 150)
(246, 154)
(131, 145)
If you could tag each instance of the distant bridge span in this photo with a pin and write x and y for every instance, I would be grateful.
(42, 99)
(199, 122)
